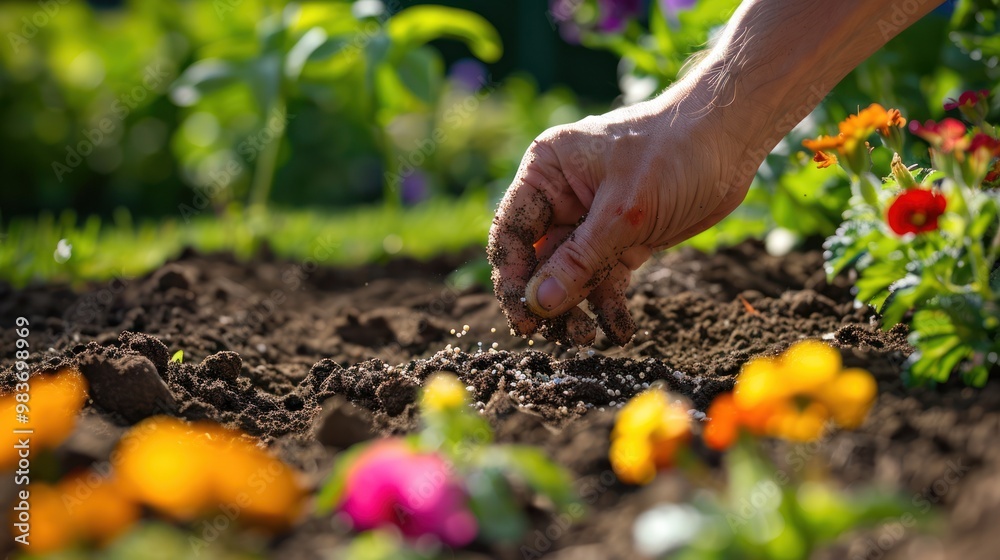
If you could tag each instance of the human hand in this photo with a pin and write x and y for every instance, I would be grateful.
(593, 199)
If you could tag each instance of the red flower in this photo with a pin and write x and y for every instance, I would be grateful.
(967, 99)
(985, 142)
(915, 211)
(947, 136)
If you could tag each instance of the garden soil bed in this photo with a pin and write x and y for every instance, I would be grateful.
(311, 359)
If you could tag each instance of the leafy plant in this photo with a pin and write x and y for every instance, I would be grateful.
(325, 52)
(925, 242)
(761, 511)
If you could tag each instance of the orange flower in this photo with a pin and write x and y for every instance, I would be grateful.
(824, 160)
(79, 509)
(859, 127)
(894, 120)
(853, 133)
(53, 403)
(824, 143)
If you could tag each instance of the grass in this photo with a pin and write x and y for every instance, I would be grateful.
(121, 248)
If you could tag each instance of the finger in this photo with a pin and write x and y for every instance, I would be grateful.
(608, 302)
(574, 327)
(548, 244)
(528, 209)
(636, 256)
(579, 263)
(522, 219)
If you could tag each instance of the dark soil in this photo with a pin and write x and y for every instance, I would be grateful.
(311, 360)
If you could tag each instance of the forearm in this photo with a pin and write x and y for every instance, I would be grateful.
(777, 59)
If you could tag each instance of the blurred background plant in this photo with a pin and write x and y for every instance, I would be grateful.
(134, 128)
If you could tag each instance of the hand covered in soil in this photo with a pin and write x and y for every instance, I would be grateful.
(593, 199)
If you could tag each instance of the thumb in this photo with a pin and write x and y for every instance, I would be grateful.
(577, 266)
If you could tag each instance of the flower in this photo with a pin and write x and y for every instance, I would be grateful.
(186, 470)
(894, 119)
(824, 160)
(648, 432)
(78, 509)
(391, 484)
(616, 13)
(670, 8)
(915, 211)
(793, 396)
(972, 104)
(443, 392)
(946, 136)
(850, 143)
(54, 401)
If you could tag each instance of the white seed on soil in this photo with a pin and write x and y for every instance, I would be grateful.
(495, 345)
(493, 330)
(531, 343)
(465, 328)
(452, 331)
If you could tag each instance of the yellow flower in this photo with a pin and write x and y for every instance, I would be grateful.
(186, 470)
(632, 460)
(648, 432)
(853, 132)
(850, 396)
(442, 392)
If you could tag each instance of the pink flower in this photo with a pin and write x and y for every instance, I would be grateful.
(390, 484)
(967, 99)
(946, 136)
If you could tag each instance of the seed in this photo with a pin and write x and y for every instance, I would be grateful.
(531, 343)
(465, 328)
(452, 331)
(493, 329)
(495, 345)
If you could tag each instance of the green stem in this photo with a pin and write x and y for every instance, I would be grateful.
(263, 175)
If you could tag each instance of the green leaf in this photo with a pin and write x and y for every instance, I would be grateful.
(420, 71)
(330, 494)
(535, 469)
(418, 25)
(500, 517)
(178, 357)
(202, 78)
(851, 240)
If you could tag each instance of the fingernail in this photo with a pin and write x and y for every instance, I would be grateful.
(551, 293)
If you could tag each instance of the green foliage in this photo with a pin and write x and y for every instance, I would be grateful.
(764, 514)
(938, 280)
(178, 357)
(123, 250)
